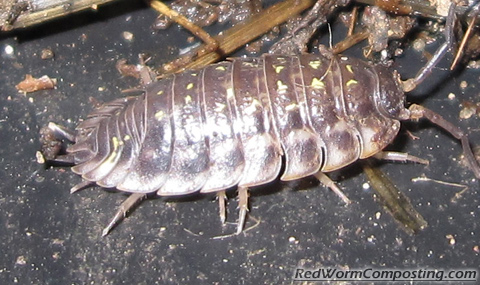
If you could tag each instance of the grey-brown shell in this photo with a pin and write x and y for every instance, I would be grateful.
(230, 124)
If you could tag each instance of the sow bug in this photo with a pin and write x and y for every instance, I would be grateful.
(231, 124)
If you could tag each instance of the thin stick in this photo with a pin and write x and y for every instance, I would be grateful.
(397, 204)
(457, 196)
(464, 40)
(353, 21)
(424, 178)
(245, 32)
(211, 43)
(349, 41)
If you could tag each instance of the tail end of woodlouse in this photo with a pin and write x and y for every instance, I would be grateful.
(52, 139)
(61, 132)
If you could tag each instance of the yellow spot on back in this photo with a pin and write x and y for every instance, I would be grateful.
(111, 158)
(349, 68)
(278, 68)
(115, 143)
(189, 86)
(249, 64)
(160, 92)
(317, 83)
(221, 68)
(159, 115)
(281, 87)
(188, 99)
(315, 64)
(126, 138)
(291, 107)
(193, 74)
(351, 81)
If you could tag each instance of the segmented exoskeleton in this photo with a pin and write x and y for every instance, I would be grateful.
(230, 123)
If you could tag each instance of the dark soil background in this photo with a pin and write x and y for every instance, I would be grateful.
(48, 236)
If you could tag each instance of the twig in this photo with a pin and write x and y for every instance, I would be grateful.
(210, 43)
(243, 33)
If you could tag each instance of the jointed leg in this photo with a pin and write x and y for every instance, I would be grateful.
(418, 112)
(221, 206)
(133, 199)
(399, 156)
(82, 185)
(243, 207)
(325, 180)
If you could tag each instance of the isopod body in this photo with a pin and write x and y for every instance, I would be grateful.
(230, 124)
(234, 123)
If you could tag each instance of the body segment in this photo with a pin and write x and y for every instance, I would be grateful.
(230, 124)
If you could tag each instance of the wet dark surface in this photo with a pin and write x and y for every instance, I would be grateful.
(49, 236)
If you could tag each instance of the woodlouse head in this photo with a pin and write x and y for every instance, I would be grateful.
(390, 97)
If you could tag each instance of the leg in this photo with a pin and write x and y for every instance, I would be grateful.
(325, 180)
(122, 211)
(221, 206)
(81, 185)
(399, 156)
(243, 208)
(418, 112)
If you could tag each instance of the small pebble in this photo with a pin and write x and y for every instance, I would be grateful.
(127, 36)
(47, 54)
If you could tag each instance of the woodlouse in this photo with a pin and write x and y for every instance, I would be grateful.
(231, 123)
